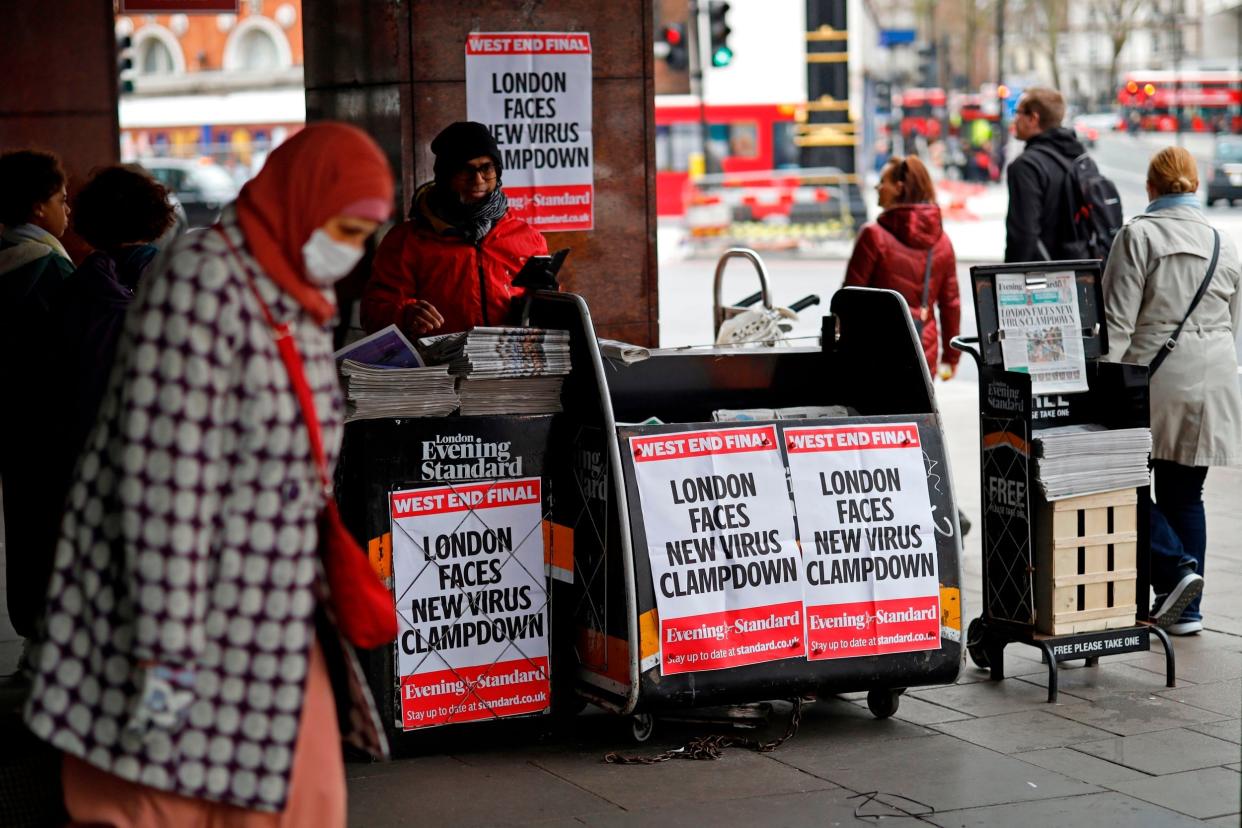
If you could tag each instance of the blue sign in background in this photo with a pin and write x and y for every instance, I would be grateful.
(896, 37)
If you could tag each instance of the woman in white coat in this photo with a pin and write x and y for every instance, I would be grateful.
(1156, 266)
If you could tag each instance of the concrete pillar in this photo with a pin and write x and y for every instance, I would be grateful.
(397, 69)
(59, 89)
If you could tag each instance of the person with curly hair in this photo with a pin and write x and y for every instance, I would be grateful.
(120, 212)
(34, 214)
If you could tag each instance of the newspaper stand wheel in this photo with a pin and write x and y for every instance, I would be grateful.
(642, 725)
(883, 703)
(974, 643)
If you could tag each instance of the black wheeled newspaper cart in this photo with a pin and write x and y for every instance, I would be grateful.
(1068, 576)
(663, 508)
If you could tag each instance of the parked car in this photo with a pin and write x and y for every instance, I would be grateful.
(1089, 127)
(202, 187)
(1225, 176)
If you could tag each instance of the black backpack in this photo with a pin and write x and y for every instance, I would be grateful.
(1094, 207)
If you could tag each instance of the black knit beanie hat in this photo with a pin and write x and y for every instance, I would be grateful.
(458, 143)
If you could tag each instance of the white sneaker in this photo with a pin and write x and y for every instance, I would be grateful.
(1185, 628)
(1170, 610)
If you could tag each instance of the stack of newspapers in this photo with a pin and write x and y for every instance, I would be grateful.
(374, 391)
(1084, 459)
(382, 375)
(504, 370)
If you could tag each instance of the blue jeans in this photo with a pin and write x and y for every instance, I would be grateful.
(1178, 527)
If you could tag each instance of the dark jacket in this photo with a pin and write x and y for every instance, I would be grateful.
(1037, 207)
(92, 312)
(32, 276)
(424, 259)
(892, 253)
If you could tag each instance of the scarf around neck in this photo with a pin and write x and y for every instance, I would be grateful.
(35, 233)
(447, 214)
(1166, 202)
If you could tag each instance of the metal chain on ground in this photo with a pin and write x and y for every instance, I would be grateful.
(713, 746)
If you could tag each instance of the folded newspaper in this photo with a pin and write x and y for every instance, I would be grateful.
(387, 346)
(1077, 460)
(503, 370)
(373, 391)
(799, 412)
(1041, 330)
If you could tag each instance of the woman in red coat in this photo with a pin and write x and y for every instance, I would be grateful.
(451, 266)
(892, 253)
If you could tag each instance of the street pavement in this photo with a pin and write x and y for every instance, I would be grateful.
(1118, 749)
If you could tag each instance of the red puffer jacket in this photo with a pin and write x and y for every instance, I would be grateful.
(469, 285)
(892, 253)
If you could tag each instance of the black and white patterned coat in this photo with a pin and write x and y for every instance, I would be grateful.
(190, 539)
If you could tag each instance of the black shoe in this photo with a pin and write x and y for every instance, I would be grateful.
(963, 522)
(1168, 609)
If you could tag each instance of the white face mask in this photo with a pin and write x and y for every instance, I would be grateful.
(328, 260)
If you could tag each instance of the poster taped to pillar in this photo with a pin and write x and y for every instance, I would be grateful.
(472, 605)
(720, 537)
(533, 91)
(868, 543)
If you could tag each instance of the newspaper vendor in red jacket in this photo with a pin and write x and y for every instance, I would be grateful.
(450, 266)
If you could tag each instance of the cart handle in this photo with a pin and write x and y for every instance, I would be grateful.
(718, 309)
(968, 345)
(805, 302)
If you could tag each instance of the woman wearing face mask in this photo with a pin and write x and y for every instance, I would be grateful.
(451, 265)
(34, 214)
(184, 669)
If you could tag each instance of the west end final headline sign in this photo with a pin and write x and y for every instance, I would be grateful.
(472, 604)
(533, 91)
(734, 582)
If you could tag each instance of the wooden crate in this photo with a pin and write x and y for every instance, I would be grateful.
(1085, 563)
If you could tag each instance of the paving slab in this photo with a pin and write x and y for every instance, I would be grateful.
(1102, 810)
(1128, 713)
(1019, 732)
(1163, 752)
(993, 698)
(838, 720)
(920, 712)
(1103, 679)
(1231, 820)
(1204, 794)
(1223, 697)
(442, 790)
(737, 774)
(1202, 666)
(1077, 765)
(819, 808)
(940, 771)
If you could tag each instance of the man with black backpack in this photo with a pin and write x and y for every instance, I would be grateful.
(1060, 206)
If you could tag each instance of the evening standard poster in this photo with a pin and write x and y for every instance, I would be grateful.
(533, 91)
(1041, 332)
(720, 538)
(472, 604)
(868, 542)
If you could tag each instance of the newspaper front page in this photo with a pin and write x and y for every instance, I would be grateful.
(1041, 331)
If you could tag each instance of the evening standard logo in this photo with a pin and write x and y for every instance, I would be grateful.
(445, 687)
(741, 626)
(465, 457)
(863, 620)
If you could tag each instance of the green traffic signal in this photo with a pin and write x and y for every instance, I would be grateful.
(722, 56)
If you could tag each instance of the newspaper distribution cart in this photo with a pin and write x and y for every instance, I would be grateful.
(726, 547)
(1067, 575)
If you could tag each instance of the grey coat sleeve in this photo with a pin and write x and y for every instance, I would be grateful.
(1125, 279)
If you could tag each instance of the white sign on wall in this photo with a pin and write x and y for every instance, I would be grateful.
(533, 90)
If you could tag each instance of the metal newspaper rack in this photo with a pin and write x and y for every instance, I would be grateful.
(1022, 531)
(865, 363)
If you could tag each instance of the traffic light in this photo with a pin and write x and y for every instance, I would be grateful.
(718, 31)
(125, 63)
(677, 54)
(929, 77)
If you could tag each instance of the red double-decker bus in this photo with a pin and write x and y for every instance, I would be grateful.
(741, 138)
(922, 112)
(1204, 101)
